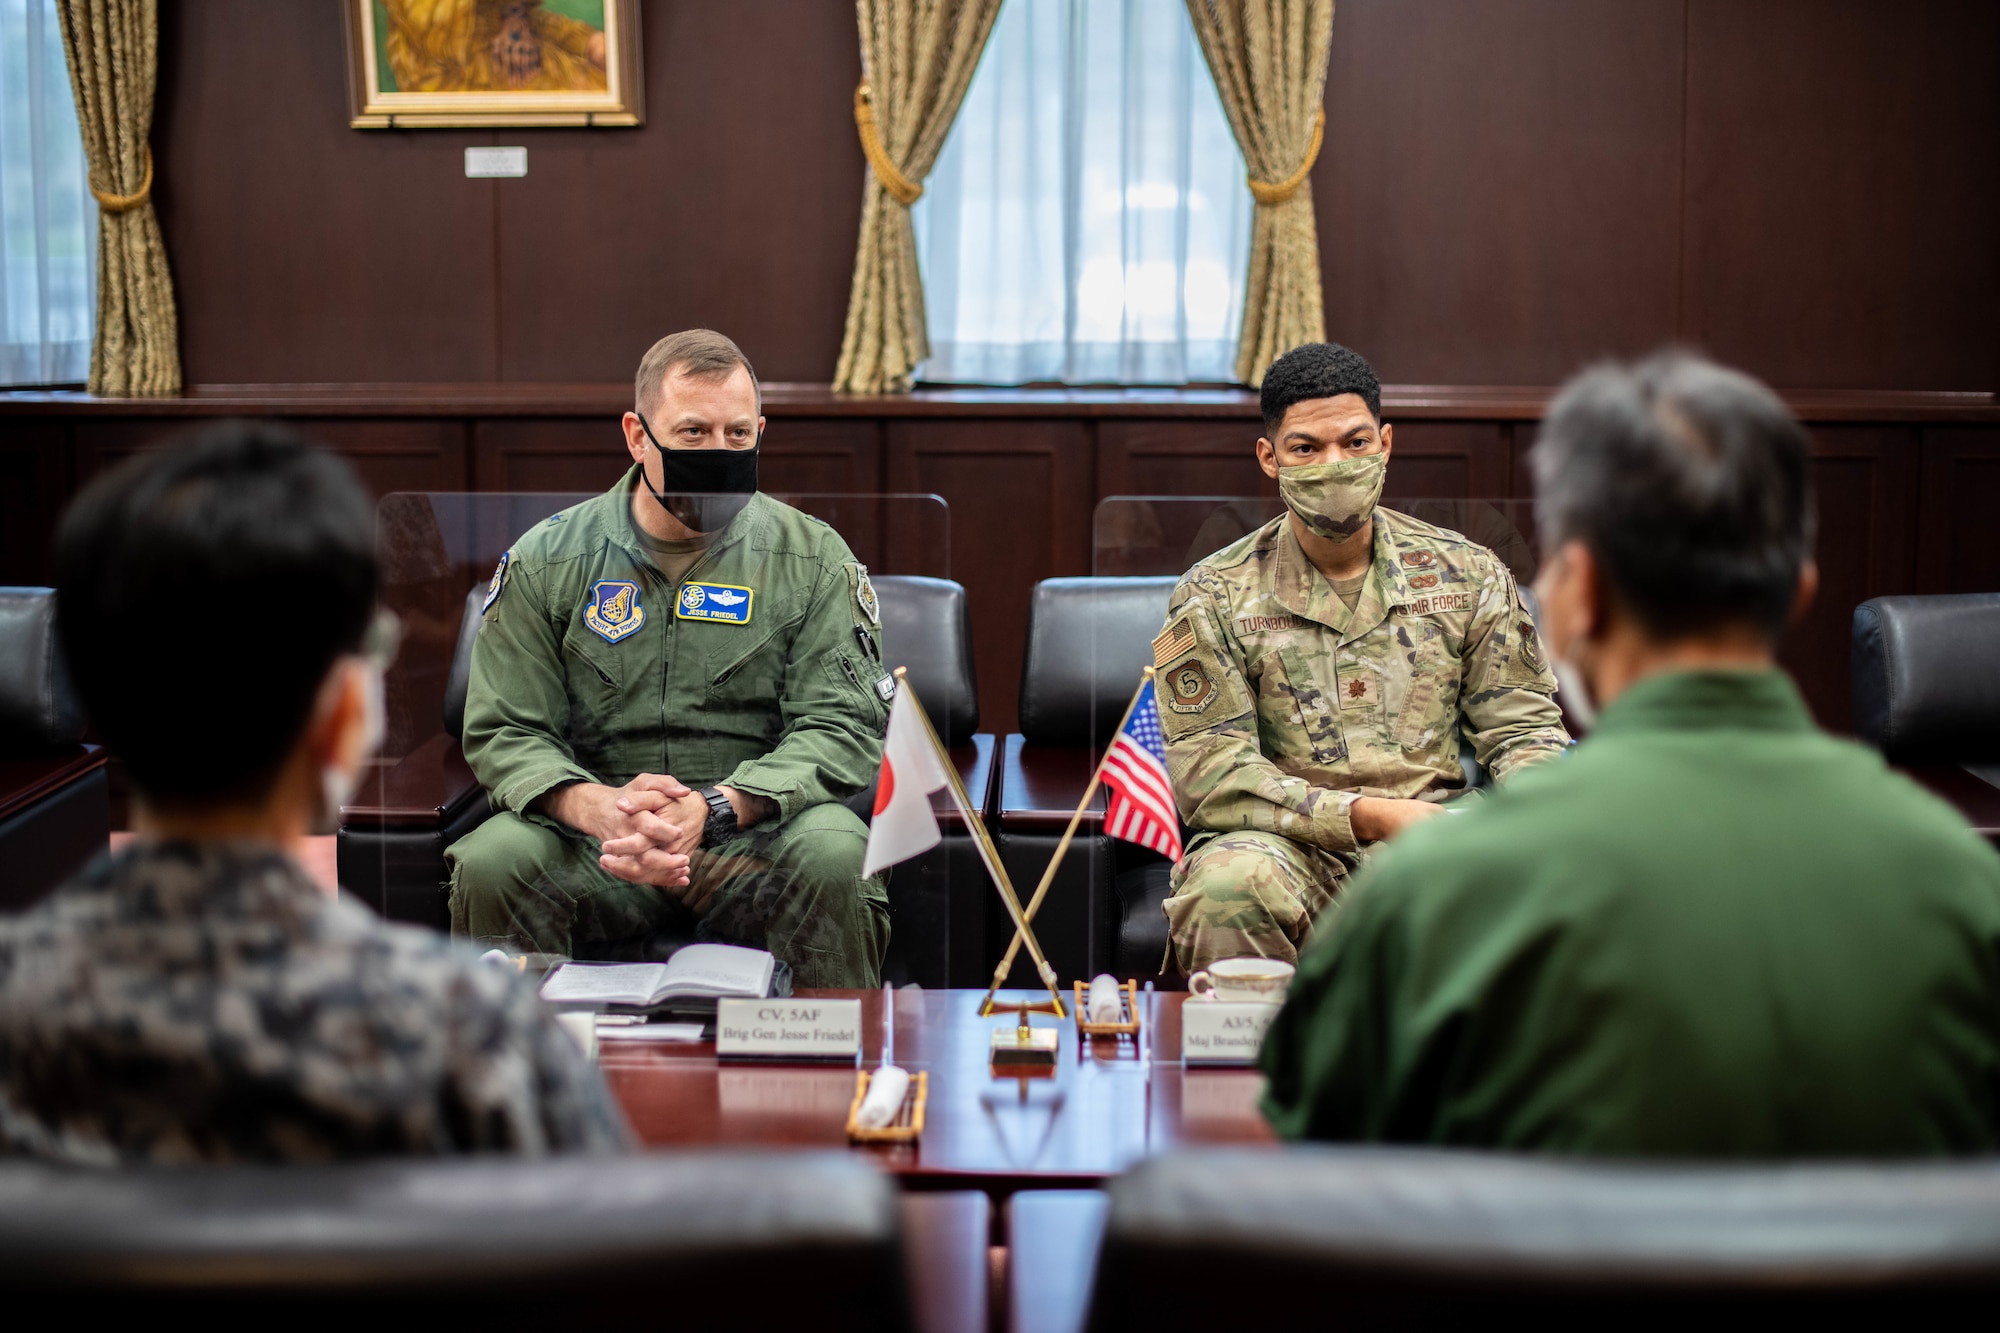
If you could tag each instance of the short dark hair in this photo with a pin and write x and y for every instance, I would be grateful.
(702, 353)
(1316, 370)
(203, 591)
(1689, 483)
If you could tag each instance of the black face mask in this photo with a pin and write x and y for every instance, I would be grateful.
(703, 488)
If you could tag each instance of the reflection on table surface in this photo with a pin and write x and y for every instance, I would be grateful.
(1108, 1103)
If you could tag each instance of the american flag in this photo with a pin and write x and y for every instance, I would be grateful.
(1141, 808)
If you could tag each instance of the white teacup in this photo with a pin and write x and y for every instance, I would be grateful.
(1250, 980)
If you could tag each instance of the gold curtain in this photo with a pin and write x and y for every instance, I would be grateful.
(1269, 62)
(113, 47)
(917, 56)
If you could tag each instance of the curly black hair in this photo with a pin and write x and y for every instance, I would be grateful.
(1317, 370)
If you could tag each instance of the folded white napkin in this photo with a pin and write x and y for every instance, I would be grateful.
(884, 1102)
(1104, 1002)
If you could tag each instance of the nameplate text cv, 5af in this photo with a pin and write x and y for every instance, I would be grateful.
(1223, 1032)
(798, 1029)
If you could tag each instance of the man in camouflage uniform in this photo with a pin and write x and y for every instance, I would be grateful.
(1318, 675)
(674, 687)
(194, 996)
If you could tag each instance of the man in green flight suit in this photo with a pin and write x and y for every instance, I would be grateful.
(1709, 931)
(1319, 675)
(674, 687)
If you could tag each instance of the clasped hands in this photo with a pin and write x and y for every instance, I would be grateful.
(648, 829)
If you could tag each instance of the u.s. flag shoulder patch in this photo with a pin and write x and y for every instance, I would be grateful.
(726, 602)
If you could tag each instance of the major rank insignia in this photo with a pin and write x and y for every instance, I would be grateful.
(614, 609)
(714, 601)
(1357, 687)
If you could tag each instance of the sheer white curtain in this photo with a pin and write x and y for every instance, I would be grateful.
(1087, 221)
(48, 220)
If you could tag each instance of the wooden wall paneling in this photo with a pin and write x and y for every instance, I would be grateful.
(835, 466)
(305, 251)
(554, 454)
(1958, 510)
(34, 483)
(407, 454)
(1836, 236)
(1863, 482)
(1173, 458)
(1020, 501)
(1449, 460)
(735, 212)
(1497, 197)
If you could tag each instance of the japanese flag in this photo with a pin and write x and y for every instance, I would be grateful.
(911, 771)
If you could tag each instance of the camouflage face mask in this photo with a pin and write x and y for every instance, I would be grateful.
(1335, 500)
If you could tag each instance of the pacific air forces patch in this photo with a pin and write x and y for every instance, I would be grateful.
(614, 609)
(1190, 688)
(498, 582)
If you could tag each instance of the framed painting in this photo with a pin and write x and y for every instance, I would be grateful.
(415, 64)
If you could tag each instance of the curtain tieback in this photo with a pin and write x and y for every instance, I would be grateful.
(124, 203)
(900, 187)
(1269, 194)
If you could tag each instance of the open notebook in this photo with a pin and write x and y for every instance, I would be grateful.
(697, 975)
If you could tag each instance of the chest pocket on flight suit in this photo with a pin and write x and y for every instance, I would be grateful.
(593, 672)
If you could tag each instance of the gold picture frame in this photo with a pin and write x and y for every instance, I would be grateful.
(482, 63)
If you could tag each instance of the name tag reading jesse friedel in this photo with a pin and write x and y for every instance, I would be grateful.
(715, 601)
(812, 1029)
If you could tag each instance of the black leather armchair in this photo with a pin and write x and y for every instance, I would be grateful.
(1375, 1237)
(55, 803)
(1926, 673)
(393, 838)
(1088, 641)
(695, 1240)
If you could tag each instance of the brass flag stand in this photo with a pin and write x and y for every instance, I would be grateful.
(1049, 873)
(1023, 1044)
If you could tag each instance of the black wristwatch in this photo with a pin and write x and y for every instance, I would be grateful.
(721, 825)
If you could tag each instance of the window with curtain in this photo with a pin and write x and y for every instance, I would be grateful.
(48, 220)
(1087, 221)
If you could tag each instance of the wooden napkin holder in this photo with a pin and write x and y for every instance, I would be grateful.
(909, 1123)
(1128, 992)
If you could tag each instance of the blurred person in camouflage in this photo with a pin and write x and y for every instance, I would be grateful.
(1319, 675)
(195, 997)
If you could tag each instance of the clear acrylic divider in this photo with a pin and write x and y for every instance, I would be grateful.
(436, 548)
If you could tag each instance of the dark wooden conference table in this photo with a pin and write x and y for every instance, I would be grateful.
(1109, 1103)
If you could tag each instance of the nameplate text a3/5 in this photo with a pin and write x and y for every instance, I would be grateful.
(1223, 1032)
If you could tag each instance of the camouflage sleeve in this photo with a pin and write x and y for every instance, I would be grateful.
(1507, 695)
(1222, 781)
(834, 706)
(516, 700)
(520, 1083)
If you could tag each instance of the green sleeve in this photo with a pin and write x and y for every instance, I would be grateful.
(516, 700)
(1222, 781)
(833, 715)
(1507, 695)
(1330, 1055)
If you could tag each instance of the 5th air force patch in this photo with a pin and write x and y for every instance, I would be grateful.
(725, 602)
(614, 609)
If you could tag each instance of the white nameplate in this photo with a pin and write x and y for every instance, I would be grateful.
(1223, 1032)
(814, 1029)
(485, 163)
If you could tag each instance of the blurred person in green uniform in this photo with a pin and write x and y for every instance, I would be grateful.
(1712, 930)
(674, 687)
(1319, 676)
